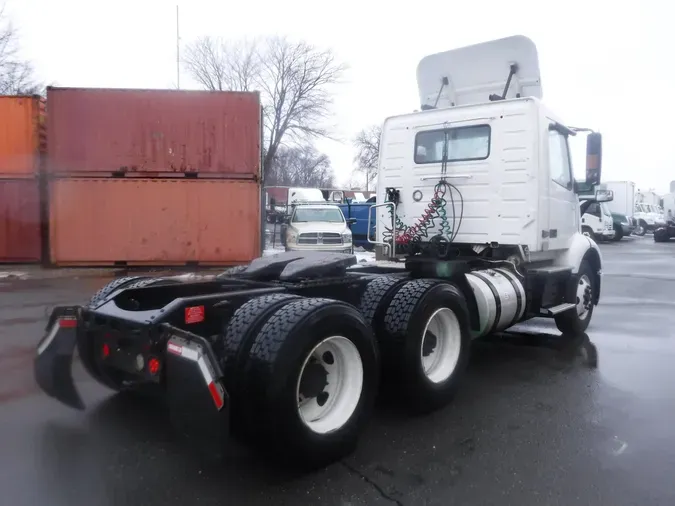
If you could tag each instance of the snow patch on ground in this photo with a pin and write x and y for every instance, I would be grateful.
(13, 275)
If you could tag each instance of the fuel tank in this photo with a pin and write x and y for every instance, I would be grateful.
(500, 297)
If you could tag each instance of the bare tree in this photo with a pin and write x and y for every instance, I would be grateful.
(301, 166)
(294, 79)
(367, 144)
(17, 76)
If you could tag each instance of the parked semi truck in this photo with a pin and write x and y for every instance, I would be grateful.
(478, 217)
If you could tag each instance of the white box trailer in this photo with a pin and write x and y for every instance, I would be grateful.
(624, 197)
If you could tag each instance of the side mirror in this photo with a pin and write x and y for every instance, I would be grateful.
(604, 195)
(593, 158)
(351, 221)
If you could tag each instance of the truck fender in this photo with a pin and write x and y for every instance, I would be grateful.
(582, 249)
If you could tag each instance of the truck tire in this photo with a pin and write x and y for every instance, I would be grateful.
(240, 332)
(142, 283)
(618, 233)
(576, 321)
(588, 232)
(641, 228)
(425, 346)
(113, 286)
(311, 378)
(376, 298)
(661, 235)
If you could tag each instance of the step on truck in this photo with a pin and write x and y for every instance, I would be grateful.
(477, 224)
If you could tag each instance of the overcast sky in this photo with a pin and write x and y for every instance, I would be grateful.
(605, 65)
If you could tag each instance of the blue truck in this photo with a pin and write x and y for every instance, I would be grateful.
(360, 228)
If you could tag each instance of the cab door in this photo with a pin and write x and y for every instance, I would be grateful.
(563, 220)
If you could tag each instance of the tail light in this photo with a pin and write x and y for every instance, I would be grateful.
(154, 365)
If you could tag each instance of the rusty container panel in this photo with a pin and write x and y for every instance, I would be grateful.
(103, 131)
(20, 237)
(99, 221)
(22, 135)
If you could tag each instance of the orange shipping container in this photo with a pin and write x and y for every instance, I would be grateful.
(20, 236)
(153, 132)
(22, 135)
(153, 221)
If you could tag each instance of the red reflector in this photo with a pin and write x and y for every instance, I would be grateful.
(67, 323)
(153, 365)
(194, 314)
(105, 350)
(216, 395)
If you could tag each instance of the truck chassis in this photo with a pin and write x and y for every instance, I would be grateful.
(289, 352)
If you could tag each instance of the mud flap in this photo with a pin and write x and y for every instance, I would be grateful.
(54, 360)
(198, 402)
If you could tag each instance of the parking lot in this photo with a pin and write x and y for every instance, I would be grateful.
(536, 422)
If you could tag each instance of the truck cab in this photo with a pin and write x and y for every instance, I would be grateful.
(485, 170)
(597, 222)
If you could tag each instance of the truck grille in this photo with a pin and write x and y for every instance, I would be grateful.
(320, 238)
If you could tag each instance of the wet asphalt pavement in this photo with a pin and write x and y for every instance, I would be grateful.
(536, 422)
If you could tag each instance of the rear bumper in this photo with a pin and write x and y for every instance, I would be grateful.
(185, 368)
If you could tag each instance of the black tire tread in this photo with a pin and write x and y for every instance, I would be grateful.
(238, 330)
(401, 309)
(142, 283)
(269, 340)
(376, 291)
(111, 287)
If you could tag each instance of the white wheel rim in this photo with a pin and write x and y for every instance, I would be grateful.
(441, 345)
(332, 408)
(584, 284)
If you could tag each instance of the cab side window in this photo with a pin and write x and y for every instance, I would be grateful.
(559, 159)
(594, 209)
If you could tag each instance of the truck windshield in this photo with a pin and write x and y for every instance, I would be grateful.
(326, 215)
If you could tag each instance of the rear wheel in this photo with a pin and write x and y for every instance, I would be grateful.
(377, 297)
(113, 286)
(311, 381)
(235, 343)
(425, 346)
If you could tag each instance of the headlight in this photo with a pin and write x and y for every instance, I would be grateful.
(291, 236)
(347, 237)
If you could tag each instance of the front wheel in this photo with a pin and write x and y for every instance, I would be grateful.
(576, 321)
(618, 233)
(641, 228)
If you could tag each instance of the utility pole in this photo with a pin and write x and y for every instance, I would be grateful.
(177, 50)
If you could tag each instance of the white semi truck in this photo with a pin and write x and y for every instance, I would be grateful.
(478, 218)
